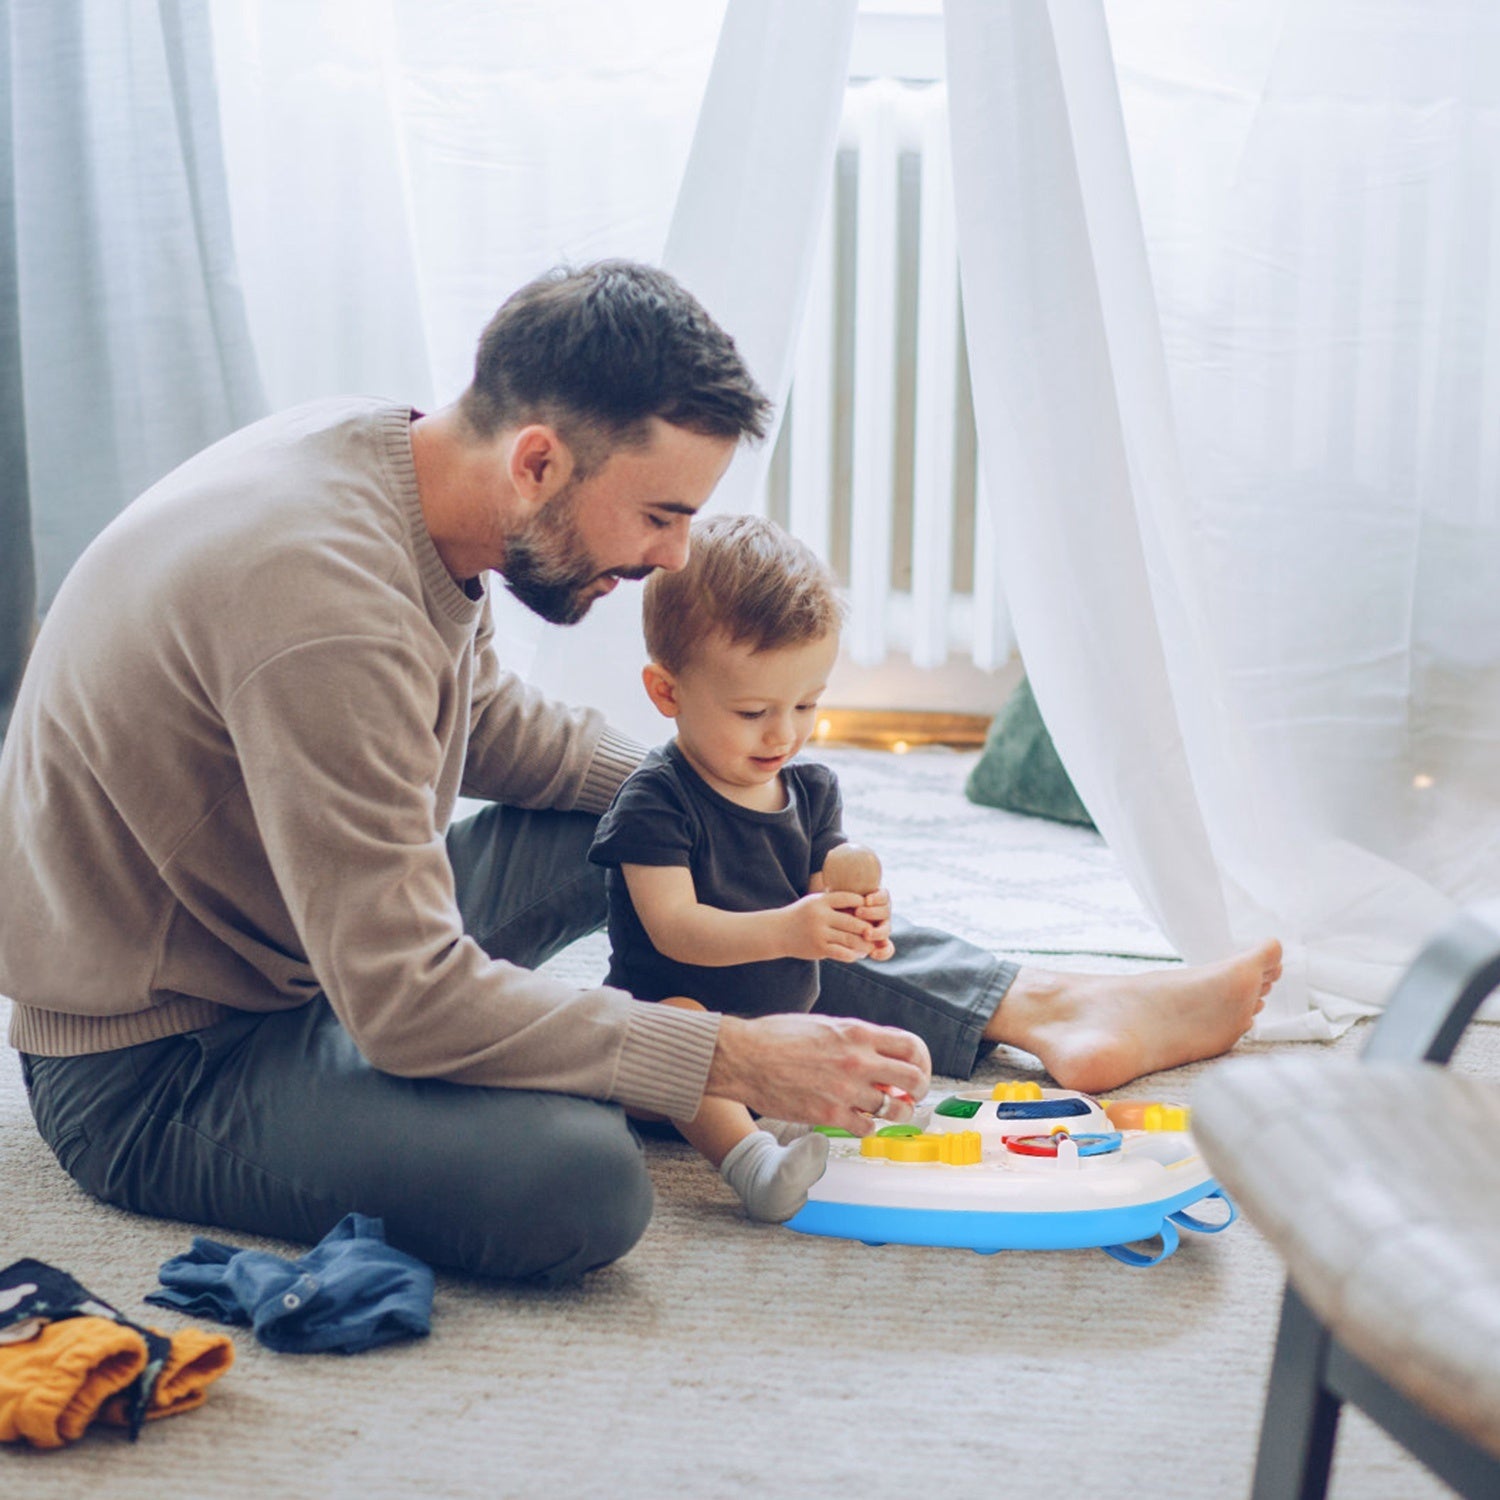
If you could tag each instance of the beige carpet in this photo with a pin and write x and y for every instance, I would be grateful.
(721, 1358)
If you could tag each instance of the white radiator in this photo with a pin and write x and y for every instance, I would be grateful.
(875, 463)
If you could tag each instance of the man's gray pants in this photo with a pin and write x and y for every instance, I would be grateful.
(276, 1125)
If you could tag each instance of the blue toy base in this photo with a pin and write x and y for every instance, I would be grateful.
(1108, 1229)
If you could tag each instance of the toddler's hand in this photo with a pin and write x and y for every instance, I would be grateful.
(824, 925)
(876, 910)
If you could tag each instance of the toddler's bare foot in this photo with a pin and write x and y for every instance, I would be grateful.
(1094, 1032)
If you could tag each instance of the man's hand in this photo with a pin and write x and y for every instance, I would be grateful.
(820, 1070)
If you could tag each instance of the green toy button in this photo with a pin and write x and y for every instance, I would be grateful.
(959, 1109)
(900, 1130)
(833, 1130)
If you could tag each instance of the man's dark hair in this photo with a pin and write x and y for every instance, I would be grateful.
(599, 351)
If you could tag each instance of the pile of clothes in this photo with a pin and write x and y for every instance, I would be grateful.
(68, 1359)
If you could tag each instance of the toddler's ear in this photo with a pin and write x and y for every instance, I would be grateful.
(661, 689)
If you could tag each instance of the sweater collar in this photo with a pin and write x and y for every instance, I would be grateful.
(444, 594)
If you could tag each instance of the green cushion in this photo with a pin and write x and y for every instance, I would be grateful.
(1019, 769)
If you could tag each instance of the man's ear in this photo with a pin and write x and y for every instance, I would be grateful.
(661, 689)
(539, 464)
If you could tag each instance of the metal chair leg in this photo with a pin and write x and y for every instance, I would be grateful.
(1438, 995)
(1302, 1417)
(1312, 1375)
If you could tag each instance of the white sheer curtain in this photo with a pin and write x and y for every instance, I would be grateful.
(310, 97)
(133, 345)
(123, 345)
(741, 240)
(1249, 565)
(398, 167)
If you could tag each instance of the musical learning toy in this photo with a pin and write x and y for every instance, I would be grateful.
(1019, 1167)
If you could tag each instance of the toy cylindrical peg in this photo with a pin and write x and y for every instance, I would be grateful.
(852, 867)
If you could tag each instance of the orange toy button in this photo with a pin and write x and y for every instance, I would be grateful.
(1146, 1114)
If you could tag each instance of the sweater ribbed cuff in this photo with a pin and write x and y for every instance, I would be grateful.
(615, 757)
(664, 1062)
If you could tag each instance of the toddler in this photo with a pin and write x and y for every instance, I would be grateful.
(715, 846)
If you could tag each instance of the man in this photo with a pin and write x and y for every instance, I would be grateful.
(258, 980)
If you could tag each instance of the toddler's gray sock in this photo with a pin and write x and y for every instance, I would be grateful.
(772, 1180)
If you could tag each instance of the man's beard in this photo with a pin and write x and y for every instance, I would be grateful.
(548, 568)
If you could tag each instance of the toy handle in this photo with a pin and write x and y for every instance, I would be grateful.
(1167, 1234)
(1202, 1226)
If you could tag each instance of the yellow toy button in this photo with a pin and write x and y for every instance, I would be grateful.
(957, 1148)
(1016, 1093)
(962, 1148)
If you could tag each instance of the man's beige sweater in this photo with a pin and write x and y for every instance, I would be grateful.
(239, 739)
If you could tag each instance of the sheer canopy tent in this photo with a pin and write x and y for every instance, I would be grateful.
(1232, 306)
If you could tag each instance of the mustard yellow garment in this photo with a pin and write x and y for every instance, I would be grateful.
(52, 1386)
(196, 1361)
(76, 1370)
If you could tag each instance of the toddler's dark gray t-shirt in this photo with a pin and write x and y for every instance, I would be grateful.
(740, 860)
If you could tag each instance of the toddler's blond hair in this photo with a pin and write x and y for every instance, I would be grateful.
(746, 580)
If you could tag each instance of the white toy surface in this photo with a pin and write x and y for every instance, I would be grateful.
(1018, 1168)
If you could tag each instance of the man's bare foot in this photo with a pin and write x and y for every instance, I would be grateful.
(1094, 1032)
